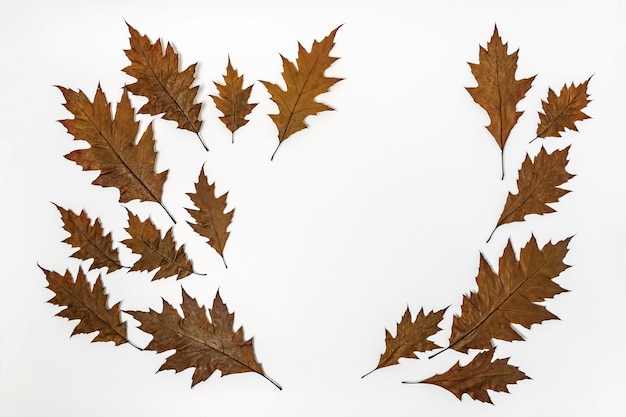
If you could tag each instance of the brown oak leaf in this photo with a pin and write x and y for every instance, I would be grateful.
(478, 376)
(304, 83)
(198, 343)
(211, 220)
(498, 92)
(538, 185)
(88, 236)
(87, 305)
(156, 251)
(124, 164)
(168, 90)
(232, 100)
(563, 111)
(509, 296)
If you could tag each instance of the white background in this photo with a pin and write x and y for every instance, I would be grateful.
(385, 203)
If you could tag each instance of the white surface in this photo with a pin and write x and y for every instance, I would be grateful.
(383, 203)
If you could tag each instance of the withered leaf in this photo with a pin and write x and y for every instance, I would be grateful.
(88, 236)
(538, 185)
(198, 343)
(411, 337)
(563, 111)
(232, 100)
(168, 90)
(156, 251)
(478, 376)
(211, 220)
(498, 92)
(87, 305)
(122, 163)
(304, 83)
(509, 296)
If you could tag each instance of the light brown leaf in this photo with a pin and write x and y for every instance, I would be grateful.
(478, 376)
(211, 221)
(122, 163)
(168, 90)
(563, 111)
(232, 100)
(156, 251)
(90, 240)
(87, 305)
(198, 343)
(538, 185)
(304, 83)
(411, 337)
(509, 296)
(498, 92)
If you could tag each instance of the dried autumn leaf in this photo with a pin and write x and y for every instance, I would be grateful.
(478, 376)
(198, 343)
(168, 90)
(538, 185)
(211, 220)
(498, 92)
(563, 111)
(411, 337)
(90, 240)
(304, 83)
(232, 100)
(122, 163)
(156, 251)
(510, 296)
(87, 305)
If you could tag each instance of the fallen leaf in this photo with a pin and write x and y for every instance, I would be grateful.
(211, 220)
(509, 296)
(478, 376)
(168, 90)
(563, 111)
(87, 305)
(304, 83)
(198, 343)
(156, 251)
(88, 236)
(498, 92)
(232, 100)
(538, 185)
(122, 163)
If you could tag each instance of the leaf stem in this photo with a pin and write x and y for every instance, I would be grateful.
(492, 232)
(168, 212)
(275, 150)
(368, 373)
(276, 384)
(536, 137)
(502, 163)
(206, 148)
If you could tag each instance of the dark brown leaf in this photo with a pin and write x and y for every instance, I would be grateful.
(563, 111)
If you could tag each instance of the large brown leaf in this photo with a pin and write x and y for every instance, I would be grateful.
(198, 343)
(509, 296)
(90, 240)
(537, 186)
(156, 251)
(168, 90)
(122, 163)
(88, 305)
(211, 220)
(411, 337)
(304, 83)
(498, 92)
(232, 100)
(478, 376)
(563, 111)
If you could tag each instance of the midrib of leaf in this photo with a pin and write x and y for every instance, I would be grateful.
(93, 243)
(171, 261)
(211, 219)
(566, 107)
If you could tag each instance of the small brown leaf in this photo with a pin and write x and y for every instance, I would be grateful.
(156, 252)
(198, 343)
(304, 83)
(87, 305)
(168, 90)
(90, 240)
(232, 100)
(563, 111)
(478, 376)
(211, 221)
